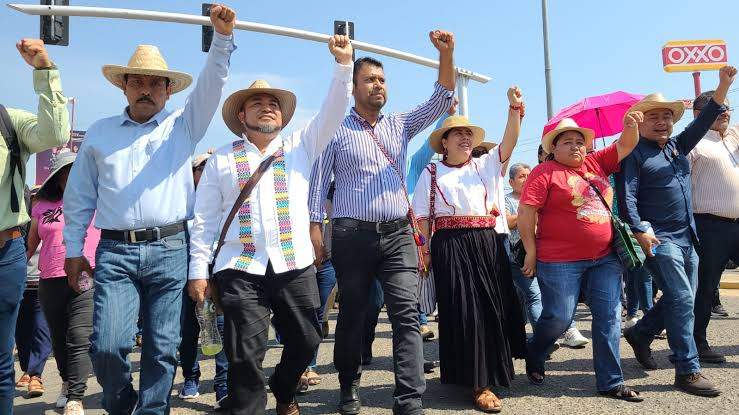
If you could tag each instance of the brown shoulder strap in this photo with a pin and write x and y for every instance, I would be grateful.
(245, 192)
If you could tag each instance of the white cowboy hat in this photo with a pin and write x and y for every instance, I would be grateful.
(657, 101)
(455, 121)
(235, 103)
(567, 124)
(61, 159)
(147, 60)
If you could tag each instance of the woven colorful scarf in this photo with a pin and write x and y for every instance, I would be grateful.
(282, 207)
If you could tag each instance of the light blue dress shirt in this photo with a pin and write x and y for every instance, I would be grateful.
(139, 175)
(421, 158)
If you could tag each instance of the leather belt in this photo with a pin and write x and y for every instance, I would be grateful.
(720, 218)
(143, 235)
(378, 227)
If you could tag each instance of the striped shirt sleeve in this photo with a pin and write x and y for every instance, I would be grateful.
(419, 118)
(320, 178)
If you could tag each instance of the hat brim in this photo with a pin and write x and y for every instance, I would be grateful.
(178, 81)
(487, 145)
(548, 139)
(478, 135)
(235, 103)
(55, 171)
(677, 108)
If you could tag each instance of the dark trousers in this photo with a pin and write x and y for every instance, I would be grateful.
(69, 315)
(189, 346)
(376, 300)
(359, 257)
(32, 335)
(247, 300)
(719, 242)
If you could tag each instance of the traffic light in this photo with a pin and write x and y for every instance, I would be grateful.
(207, 36)
(344, 27)
(55, 29)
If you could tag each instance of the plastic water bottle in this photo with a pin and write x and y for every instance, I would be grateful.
(649, 231)
(210, 337)
(84, 282)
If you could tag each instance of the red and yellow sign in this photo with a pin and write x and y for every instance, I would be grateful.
(694, 55)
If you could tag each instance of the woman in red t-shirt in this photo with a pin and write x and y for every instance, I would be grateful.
(566, 230)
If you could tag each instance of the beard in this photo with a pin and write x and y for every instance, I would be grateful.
(263, 128)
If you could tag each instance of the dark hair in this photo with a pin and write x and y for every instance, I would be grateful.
(52, 190)
(478, 152)
(702, 100)
(125, 80)
(366, 60)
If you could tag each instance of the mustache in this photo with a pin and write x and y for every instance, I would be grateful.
(145, 99)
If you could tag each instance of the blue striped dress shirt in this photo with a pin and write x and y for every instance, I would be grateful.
(367, 187)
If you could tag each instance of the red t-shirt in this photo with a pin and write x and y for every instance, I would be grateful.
(573, 223)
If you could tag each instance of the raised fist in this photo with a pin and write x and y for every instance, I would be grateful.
(727, 74)
(515, 97)
(443, 41)
(34, 53)
(223, 19)
(633, 119)
(341, 47)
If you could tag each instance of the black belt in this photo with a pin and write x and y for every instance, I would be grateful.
(378, 227)
(714, 217)
(143, 235)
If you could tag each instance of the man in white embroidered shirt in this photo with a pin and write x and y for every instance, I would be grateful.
(266, 258)
(133, 171)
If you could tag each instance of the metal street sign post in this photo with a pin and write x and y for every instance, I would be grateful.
(104, 12)
(694, 56)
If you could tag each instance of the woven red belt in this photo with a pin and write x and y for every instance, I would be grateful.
(464, 222)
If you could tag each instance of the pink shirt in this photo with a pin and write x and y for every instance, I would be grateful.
(50, 218)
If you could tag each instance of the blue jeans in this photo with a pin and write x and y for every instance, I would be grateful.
(32, 336)
(326, 277)
(638, 291)
(189, 346)
(149, 276)
(12, 285)
(560, 284)
(676, 270)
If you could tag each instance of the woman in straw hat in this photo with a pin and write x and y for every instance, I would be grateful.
(481, 327)
(572, 245)
(67, 306)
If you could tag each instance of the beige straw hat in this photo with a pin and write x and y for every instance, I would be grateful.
(235, 102)
(657, 101)
(147, 60)
(455, 121)
(567, 124)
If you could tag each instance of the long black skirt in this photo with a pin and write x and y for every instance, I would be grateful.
(481, 327)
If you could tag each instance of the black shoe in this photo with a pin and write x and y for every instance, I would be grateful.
(429, 366)
(349, 403)
(719, 311)
(642, 352)
(710, 356)
(696, 384)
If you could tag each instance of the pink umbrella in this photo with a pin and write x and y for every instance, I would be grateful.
(603, 113)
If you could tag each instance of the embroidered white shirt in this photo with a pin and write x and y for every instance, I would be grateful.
(219, 188)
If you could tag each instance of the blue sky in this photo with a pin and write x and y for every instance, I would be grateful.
(596, 47)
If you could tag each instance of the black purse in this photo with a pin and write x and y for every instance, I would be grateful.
(518, 253)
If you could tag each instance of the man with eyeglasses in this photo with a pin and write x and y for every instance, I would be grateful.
(654, 186)
(715, 187)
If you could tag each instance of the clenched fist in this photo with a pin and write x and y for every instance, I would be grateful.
(341, 47)
(223, 19)
(443, 41)
(34, 53)
(515, 97)
(633, 119)
(727, 74)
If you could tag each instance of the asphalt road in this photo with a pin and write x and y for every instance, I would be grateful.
(569, 387)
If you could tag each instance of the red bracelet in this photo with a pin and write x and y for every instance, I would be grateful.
(521, 109)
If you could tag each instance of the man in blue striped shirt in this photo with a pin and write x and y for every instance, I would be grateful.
(372, 236)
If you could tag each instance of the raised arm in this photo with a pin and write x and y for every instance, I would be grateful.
(423, 155)
(203, 101)
(630, 135)
(513, 126)
(322, 128)
(50, 126)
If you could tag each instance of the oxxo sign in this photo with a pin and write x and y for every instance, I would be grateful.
(694, 55)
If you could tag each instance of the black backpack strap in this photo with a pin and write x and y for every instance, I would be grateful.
(14, 149)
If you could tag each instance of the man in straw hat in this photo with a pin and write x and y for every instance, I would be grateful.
(654, 189)
(266, 260)
(367, 157)
(23, 134)
(134, 169)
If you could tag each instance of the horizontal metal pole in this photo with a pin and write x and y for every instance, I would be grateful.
(130, 14)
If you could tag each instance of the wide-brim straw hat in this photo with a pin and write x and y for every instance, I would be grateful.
(235, 103)
(567, 124)
(147, 60)
(62, 159)
(455, 121)
(657, 101)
